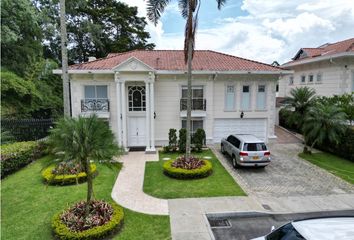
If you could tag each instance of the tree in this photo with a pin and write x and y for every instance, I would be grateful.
(95, 28)
(64, 59)
(20, 35)
(323, 122)
(300, 100)
(189, 10)
(83, 140)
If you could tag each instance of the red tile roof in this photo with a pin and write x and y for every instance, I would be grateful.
(325, 50)
(173, 60)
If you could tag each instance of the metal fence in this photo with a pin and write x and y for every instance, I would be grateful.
(27, 129)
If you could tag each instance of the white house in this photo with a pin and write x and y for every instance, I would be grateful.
(142, 94)
(329, 69)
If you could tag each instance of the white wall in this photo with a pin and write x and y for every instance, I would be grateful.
(336, 77)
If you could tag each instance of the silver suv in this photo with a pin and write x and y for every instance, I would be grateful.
(246, 150)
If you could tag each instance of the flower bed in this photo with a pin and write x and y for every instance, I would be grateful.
(49, 175)
(103, 220)
(181, 169)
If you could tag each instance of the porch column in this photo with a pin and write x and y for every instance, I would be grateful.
(119, 106)
(124, 116)
(147, 111)
(152, 115)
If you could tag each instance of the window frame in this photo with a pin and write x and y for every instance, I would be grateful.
(233, 109)
(95, 89)
(265, 97)
(250, 97)
(319, 78)
(142, 107)
(303, 77)
(291, 80)
(309, 78)
(192, 125)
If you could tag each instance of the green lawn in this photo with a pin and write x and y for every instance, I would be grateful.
(220, 183)
(338, 166)
(28, 205)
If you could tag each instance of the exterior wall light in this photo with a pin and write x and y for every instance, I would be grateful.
(242, 114)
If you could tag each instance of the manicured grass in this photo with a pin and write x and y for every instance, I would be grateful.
(28, 205)
(220, 183)
(338, 166)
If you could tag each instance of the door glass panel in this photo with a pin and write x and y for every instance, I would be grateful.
(101, 91)
(261, 97)
(90, 92)
(136, 98)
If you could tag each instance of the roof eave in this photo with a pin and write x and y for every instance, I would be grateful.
(317, 59)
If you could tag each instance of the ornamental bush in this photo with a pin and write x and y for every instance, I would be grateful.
(204, 171)
(198, 139)
(63, 232)
(172, 139)
(66, 179)
(16, 155)
(182, 140)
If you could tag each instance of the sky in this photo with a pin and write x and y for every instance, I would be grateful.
(261, 30)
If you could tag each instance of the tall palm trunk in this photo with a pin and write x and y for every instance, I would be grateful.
(64, 59)
(189, 99)
(89, 186)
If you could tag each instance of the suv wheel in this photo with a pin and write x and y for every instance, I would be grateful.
(234, 162)
(222, 149)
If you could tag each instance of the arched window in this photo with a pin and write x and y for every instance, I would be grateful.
(136, 98)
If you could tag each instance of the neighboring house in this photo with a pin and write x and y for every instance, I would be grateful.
(142, 94)
(329, 69)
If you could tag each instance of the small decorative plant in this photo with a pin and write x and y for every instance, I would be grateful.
(182, 140)
(199, 139)
(172, 140)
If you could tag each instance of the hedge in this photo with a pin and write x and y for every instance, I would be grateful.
(61, 231)
(181, 173)
(14, 156)
(51, 178)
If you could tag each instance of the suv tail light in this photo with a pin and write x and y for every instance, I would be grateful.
(267, 154)
(243, 154)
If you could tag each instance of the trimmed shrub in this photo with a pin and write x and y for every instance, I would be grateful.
(199, 139)
(172, 140)
(284, 120)
(68, 179)
(15, 156)
(182, 140)
(61, 231)
(180, 173)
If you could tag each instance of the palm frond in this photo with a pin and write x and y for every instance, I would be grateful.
(155, 8)
(183, 7)
(220, 3)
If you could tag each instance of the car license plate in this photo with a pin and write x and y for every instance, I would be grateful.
(255, 158)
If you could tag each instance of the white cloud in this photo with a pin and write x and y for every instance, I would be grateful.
(271, 30)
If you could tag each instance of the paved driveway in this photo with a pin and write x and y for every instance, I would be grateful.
(286, 175)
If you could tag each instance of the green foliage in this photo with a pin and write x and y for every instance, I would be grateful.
(284, 116)
(182, 140)
(14, 156)
(66, 179)
(95, 28)
(172, 139)
(63, 232)
(301, 98)
(6, 137)
(181, 173)
(20, 35)
(199, 139)
(345, 102)
(324, 122)
(83, 139)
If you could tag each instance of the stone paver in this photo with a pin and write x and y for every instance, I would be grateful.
(128, 189)
(286, 175)
(283, 136)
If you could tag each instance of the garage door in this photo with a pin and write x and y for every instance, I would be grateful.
(225, 127)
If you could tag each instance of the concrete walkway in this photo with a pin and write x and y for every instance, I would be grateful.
(188, 216)
(128, 189)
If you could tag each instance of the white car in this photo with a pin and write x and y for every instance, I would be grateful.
(331, 228)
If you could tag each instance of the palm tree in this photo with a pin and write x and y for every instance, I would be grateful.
(300, 100)
(84, 140)
(64, 59)
(323, 122)
(189, 10)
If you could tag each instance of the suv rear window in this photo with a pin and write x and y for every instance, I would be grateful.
(254, 147)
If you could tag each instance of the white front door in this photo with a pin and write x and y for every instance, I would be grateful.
(136, 133)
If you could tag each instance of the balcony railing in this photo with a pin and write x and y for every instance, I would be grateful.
(197, 104)
(95, 105)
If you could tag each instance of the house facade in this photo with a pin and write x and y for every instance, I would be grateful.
(142, 94)
(329, 69)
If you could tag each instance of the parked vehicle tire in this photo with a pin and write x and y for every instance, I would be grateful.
(234, 162)
(222, 149)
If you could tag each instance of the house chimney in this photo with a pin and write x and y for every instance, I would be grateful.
(90, 59)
